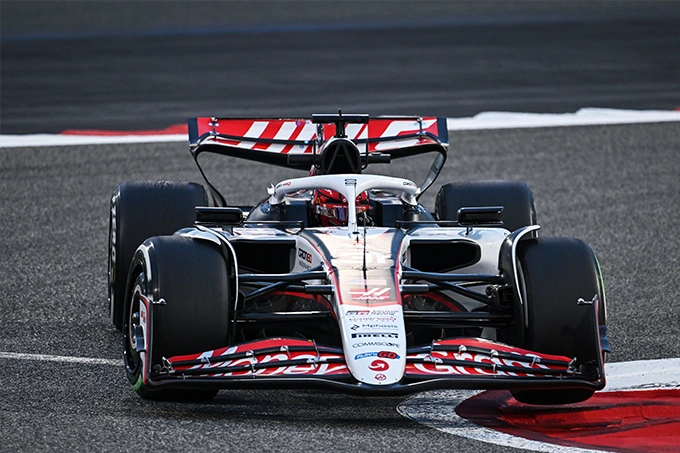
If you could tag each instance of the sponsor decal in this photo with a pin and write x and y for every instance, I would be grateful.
(375, 335)
(379, 365)
(361, 319)
(470, 369)
(381, 354)
(376, 326)
(304, 255)
(311, 369)
(380, 377)
(409, 184)
(283, 184)
(260, 232)
(113, 248)
(350, 182)
(371, 294)
(365, 344)
(384, 312)
(355, 327)
(277, 362)
(358, 312)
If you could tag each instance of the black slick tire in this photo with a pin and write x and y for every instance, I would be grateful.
(140, 210)
(555, 274)
(515, 197)
(189, 282)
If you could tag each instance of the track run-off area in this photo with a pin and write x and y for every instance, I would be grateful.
(612, 185)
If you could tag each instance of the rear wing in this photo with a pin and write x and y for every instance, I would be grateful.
(295, 142)
(300, 135)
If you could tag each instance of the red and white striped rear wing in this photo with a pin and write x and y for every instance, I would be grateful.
(272, 140)
(293, 142)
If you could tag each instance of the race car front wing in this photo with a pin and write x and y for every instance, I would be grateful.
(471, 363)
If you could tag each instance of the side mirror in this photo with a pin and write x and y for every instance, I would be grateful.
(480, 216)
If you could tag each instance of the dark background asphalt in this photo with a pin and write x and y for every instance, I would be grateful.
(614, 186)
(148, 65)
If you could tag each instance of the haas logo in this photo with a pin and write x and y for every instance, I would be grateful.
(378, 365)
(371, 294)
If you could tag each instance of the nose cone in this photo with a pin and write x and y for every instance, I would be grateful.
(374, 370)
(375, 344)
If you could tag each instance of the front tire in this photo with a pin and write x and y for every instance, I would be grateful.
(188, 285)
(557, 273)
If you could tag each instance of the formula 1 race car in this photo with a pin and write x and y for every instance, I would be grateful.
(343, 280)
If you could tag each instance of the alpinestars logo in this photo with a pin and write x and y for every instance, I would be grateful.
(371, 294)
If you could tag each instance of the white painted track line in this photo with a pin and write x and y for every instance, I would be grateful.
(643, 374)
(16, 141)
(438, 410)
(485, 120)
(60, 358)
(583, 117)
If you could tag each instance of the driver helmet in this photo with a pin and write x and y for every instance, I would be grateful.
(330, 207)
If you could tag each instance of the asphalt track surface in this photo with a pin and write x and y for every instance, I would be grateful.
(616, 187)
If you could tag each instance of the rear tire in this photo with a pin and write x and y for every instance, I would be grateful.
(140, 210)
(555, 273)
(515, 197)
(191, 277)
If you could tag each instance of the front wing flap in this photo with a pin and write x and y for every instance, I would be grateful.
(453, 363)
